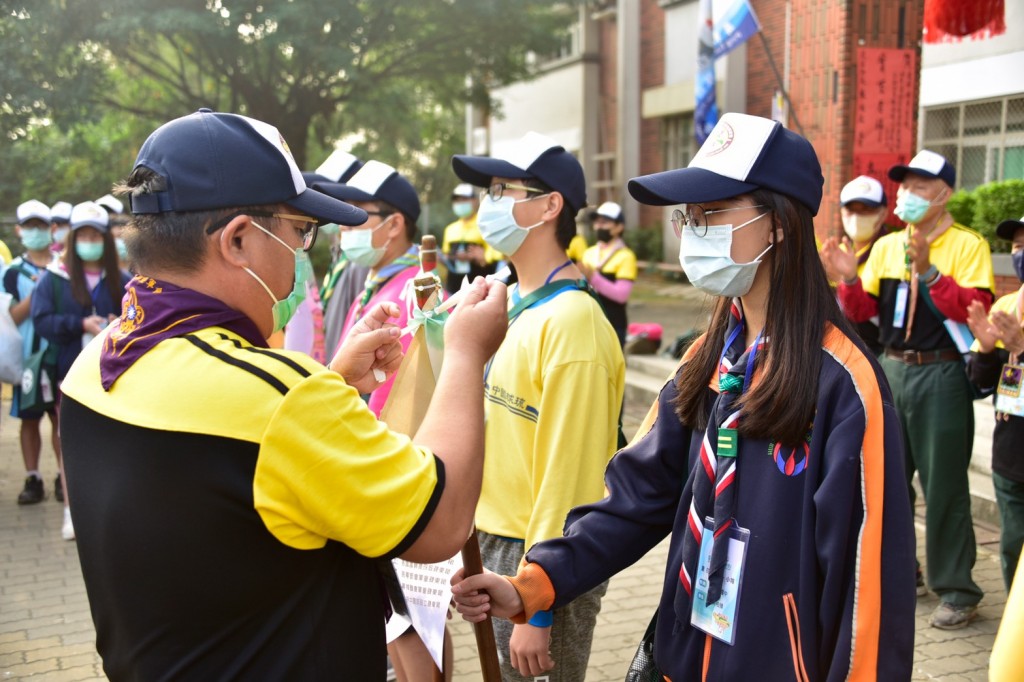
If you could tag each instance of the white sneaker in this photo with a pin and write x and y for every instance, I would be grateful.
(68, 531)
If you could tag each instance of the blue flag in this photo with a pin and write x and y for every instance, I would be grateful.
(724, 26)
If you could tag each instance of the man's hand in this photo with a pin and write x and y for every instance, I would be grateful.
(528, 649)
(1008, 330)
(919, 250)
(478, 324)
(485, 593)
(838, 259)
(977, 320)
(475, 253)
(587, 270)
(372, 344)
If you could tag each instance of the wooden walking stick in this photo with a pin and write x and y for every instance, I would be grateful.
(484, 630)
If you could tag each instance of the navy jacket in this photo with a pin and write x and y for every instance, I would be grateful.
(64, 328)
(828, 585)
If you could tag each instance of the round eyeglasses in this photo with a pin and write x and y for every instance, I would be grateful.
(694, 217)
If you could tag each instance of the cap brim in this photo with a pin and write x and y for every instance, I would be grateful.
(327, 209)
(685, 186)
(870, 203)
(44, 218)
(1008, 228)
(478, 170)
(311, 178)
(897, 173)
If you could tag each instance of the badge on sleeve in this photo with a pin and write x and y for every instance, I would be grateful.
(719, 619)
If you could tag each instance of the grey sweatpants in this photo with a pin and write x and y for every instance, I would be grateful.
(573, 627)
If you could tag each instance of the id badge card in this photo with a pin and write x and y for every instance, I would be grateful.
(1009, 397)
(899, 313)
(719, 619)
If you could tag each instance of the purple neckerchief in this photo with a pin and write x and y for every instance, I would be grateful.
(153, 311)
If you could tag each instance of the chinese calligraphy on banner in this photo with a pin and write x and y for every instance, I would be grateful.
(885, 104)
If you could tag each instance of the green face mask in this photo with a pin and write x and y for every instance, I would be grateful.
(284, 310)
(89, 251)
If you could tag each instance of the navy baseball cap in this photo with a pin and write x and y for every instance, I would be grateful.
(742, 153)
(864, 189)
(376, 181)
(533, 156)
(1008, 228)
(928, 164)
(213, 160)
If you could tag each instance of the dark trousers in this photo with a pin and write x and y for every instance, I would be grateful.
(1010, 498)
(934, 404)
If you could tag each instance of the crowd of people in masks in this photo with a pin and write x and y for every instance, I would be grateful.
(216, 396)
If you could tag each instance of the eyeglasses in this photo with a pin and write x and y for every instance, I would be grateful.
(307, 233)
(497, 190)
(695, 218)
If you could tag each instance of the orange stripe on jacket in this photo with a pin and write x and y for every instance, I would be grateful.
(866, 626)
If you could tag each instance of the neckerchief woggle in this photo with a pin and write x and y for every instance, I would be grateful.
(714, 477)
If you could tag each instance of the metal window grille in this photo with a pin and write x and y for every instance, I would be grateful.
(984, 139)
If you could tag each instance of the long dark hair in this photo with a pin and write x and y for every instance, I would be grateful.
(111, 272)
(800, 304)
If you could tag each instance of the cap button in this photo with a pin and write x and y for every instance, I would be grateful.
(205, 110)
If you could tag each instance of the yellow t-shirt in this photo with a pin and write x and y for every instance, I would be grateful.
(5, 254)
(576, 249)
(553, 394)
(620, 265)
(326, 468)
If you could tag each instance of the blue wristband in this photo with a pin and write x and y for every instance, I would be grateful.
(542, 619)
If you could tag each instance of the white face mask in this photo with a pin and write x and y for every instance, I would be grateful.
(498, 226)
(858, 227)
(708, 264)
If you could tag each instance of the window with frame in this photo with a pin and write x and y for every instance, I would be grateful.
(983, 139)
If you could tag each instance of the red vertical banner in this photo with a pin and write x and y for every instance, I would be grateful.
(886, 100)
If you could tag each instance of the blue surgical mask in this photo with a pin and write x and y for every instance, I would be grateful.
(708, 264)
(911, 208)
(498, 226)
(35, 238)
(463, 209)
(60, 234)
(358, 245)
(122, 248)
(1018, 263)
(283, 310)
(89, 251)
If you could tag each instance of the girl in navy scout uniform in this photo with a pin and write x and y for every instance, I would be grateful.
(773, 458)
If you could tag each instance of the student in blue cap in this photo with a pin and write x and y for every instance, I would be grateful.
(232, 502)
(773, 458)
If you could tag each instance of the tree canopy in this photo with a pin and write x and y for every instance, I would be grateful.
(86, 76)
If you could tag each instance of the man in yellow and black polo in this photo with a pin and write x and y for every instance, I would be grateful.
(919, 281)
(232, 502)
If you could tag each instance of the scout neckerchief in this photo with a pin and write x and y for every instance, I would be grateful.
(375, 282)
(331, 279)
(152, 311)
(714, 478)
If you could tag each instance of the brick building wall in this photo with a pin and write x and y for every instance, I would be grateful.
(652, 74)
(824, 36)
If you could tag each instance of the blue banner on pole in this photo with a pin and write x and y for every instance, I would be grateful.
(734, 26)
(724, 26)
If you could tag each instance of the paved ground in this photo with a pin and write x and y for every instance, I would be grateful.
(46, 632)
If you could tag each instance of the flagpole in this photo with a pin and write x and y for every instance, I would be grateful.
(782, 87)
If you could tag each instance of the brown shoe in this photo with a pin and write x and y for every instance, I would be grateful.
(952, 617)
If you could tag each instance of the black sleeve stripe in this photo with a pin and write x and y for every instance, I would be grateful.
(302, 371)
(428, 513)
(241, 364)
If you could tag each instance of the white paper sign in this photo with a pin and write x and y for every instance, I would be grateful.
(427, 590)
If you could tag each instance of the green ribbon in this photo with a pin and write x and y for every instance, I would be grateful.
(730, 383)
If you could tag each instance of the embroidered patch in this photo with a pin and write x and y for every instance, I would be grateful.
(791, 461)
